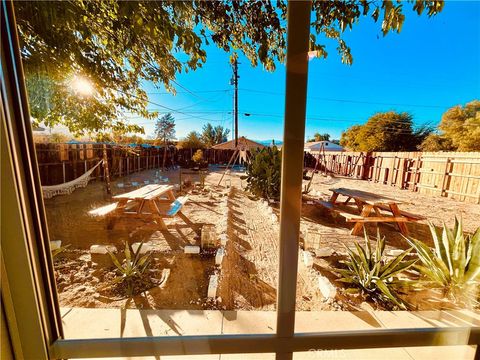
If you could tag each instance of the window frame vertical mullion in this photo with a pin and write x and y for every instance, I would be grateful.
(26, 258)
(298, 31)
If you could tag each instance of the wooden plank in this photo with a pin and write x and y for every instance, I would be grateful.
(365, 212)
(415, 180)
(159, 192)
(357, 218)
(177, 205)
(465, 176)
(325, 204)
(366, 197)
(404, 213)
(460, 194)
(396, 212)
(141, 192)
(445, 177)
(103, 210)
(430, 187)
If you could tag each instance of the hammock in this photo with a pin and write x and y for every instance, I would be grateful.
(68, 187)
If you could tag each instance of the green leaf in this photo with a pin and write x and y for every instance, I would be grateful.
(115, 260)
(384, 289)
(473, 269)
(393, 264)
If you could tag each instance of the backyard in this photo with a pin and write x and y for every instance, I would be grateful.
(247, 273)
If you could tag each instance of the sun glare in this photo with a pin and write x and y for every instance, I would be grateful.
(82, 85)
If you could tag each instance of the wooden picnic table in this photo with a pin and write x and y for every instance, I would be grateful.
(369, 207)
(151, 202)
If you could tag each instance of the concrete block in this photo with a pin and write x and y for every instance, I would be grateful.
(394, 252)
(55, 244)
(219, 256)
(307, 259)
(324, 252)
(146, 247)
(212, 286)
(326, 288)
(223, 239)
(191, 249)
(209, 236)
(99, 255)
(102, 249)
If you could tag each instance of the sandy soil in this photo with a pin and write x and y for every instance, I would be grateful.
(249, 271)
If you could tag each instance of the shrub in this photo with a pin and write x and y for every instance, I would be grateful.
(369, 271)
(263, 173)
(132, 269)
(453, 266)
(198, 156)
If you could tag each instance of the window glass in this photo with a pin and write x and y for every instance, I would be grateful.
(155, 228)
(388, 230)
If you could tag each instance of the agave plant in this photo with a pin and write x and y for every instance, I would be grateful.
(454, 264)
(132, 268)
(59, 250)
(373, 273)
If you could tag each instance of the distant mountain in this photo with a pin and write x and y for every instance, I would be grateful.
(268, 142)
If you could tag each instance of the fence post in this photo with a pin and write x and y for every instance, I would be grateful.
(366, 166)
(445, 177)
(63, 168)
(106, 170)
(417, 167)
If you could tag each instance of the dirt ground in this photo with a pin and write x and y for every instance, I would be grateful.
(248, 277)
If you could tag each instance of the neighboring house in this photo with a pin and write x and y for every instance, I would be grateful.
(316, 146)
(242, 144)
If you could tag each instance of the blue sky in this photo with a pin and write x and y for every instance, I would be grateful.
(433, 64)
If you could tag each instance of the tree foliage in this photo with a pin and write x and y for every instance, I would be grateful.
(459, 130)
(165, 128)
(388, 131)
(198, 156)
(58, 138)
(436, 142)
(192, 141)
(118, 45)
(214, 135)
(320, 137)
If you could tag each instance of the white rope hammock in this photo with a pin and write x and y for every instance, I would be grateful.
(68, 187)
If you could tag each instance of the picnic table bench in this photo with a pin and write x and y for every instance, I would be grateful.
(150, 202)
(369, 209)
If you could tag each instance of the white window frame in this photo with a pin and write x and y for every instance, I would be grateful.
(28, 287)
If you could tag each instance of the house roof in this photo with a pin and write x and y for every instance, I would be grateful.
(243, 143)
(317, 145)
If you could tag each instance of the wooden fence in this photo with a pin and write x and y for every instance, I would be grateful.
(59, 163)
(449, 174)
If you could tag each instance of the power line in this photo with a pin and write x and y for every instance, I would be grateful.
(185, 92)
(348, 100)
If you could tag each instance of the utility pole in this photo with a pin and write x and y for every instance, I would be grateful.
(235, 100)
